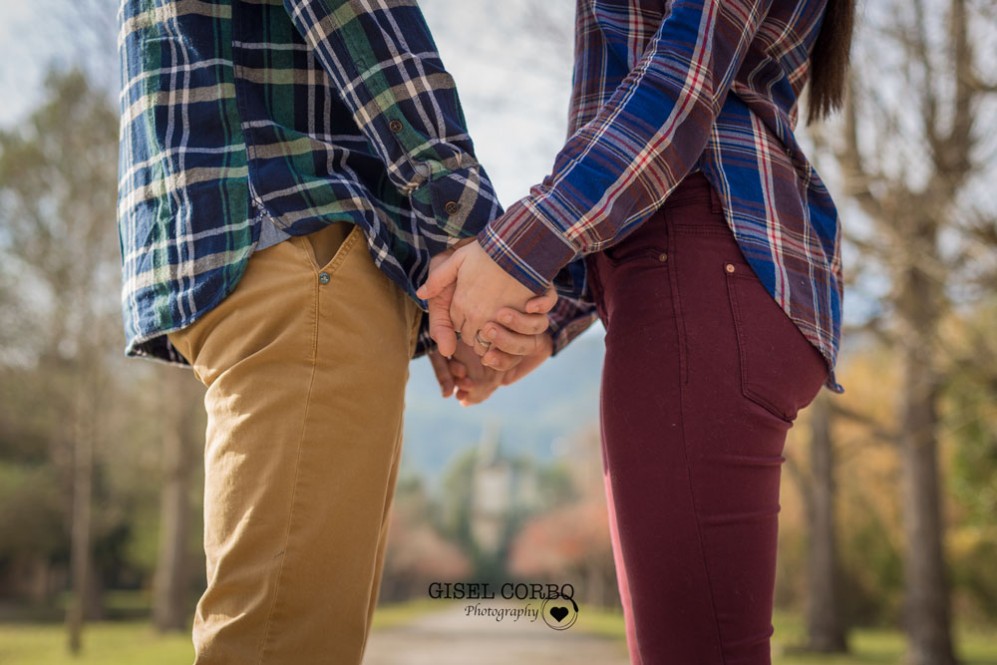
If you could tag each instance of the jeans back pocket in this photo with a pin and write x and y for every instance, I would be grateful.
(780, 369)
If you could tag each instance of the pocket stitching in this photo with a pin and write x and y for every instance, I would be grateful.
(643, 253)
(746, 390)
(332, 267)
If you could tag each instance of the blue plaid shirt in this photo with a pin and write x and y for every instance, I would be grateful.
(297, 113)
(312, 111)
(663, 88)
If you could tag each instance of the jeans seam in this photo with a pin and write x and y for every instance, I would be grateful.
(680, 325)
(297, 471)
(699, 529)
(672, 274)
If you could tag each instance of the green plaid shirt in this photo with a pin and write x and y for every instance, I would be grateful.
(303, 113)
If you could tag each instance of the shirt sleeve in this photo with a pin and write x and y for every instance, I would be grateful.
(620, 167)
(575, 309)
(381, 56)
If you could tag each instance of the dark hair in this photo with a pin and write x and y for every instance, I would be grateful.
(829, 59)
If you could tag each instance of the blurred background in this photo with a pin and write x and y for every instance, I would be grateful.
(888, 541)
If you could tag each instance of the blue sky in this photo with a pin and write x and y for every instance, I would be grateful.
(19, 77)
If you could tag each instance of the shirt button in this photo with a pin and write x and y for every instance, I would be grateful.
(452, 208)
(323, 278)
(730, 267)
(395, 126)
(663, 257)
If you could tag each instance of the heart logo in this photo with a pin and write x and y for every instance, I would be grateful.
(559, 613)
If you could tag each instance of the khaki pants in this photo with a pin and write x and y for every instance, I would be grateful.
(305, 368)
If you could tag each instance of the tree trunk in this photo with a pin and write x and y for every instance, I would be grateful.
(93, 603)
(825, 632)
(169, 611)
(928, 618)
(81, 517)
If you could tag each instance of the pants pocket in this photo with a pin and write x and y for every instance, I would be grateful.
(326, 243)
(779, 369)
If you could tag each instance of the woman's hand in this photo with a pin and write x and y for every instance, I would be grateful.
(466, 289)
(474, 378)
(473, 389)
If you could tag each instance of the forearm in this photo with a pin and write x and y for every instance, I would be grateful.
(381, 56)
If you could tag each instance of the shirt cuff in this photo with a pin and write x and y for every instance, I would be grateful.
(527, 246)
(456, 196)
(564, 332)
(574, 310)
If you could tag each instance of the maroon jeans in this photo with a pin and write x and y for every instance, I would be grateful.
(703, 377)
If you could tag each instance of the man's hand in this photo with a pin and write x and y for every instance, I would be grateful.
(464, 375)
(466, 290)
(472, 390)
(441, 367)
(475, 382)
(475, 378)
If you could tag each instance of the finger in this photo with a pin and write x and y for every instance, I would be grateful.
(466, 330)
(476, 396)
(464, 333)
(481, 345)
(443, 374)
(440, 277)
(522, 323)
(542, 304)
(466, 384)
(501, 361)
(529, 363)
(441, 327)
(515, 374)
(504, 339)
(458, 370)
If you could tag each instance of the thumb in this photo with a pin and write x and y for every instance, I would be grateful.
(542, 304)
(441, 277)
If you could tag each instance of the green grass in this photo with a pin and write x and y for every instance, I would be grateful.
(107, 643)
(875, 646)
(397, 614)
(868, 646)
(129, 642)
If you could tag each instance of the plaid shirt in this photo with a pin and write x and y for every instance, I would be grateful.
(663, 88)
(303, 113)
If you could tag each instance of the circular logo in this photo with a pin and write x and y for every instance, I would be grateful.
(560, 613)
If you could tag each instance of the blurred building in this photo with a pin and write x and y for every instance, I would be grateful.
(503, 490)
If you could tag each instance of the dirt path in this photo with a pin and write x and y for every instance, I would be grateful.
(450, 637)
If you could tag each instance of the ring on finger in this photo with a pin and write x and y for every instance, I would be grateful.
(483, 342)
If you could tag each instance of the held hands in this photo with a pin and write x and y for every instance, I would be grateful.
(471, 382)
(500, 322)
(466, 290)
